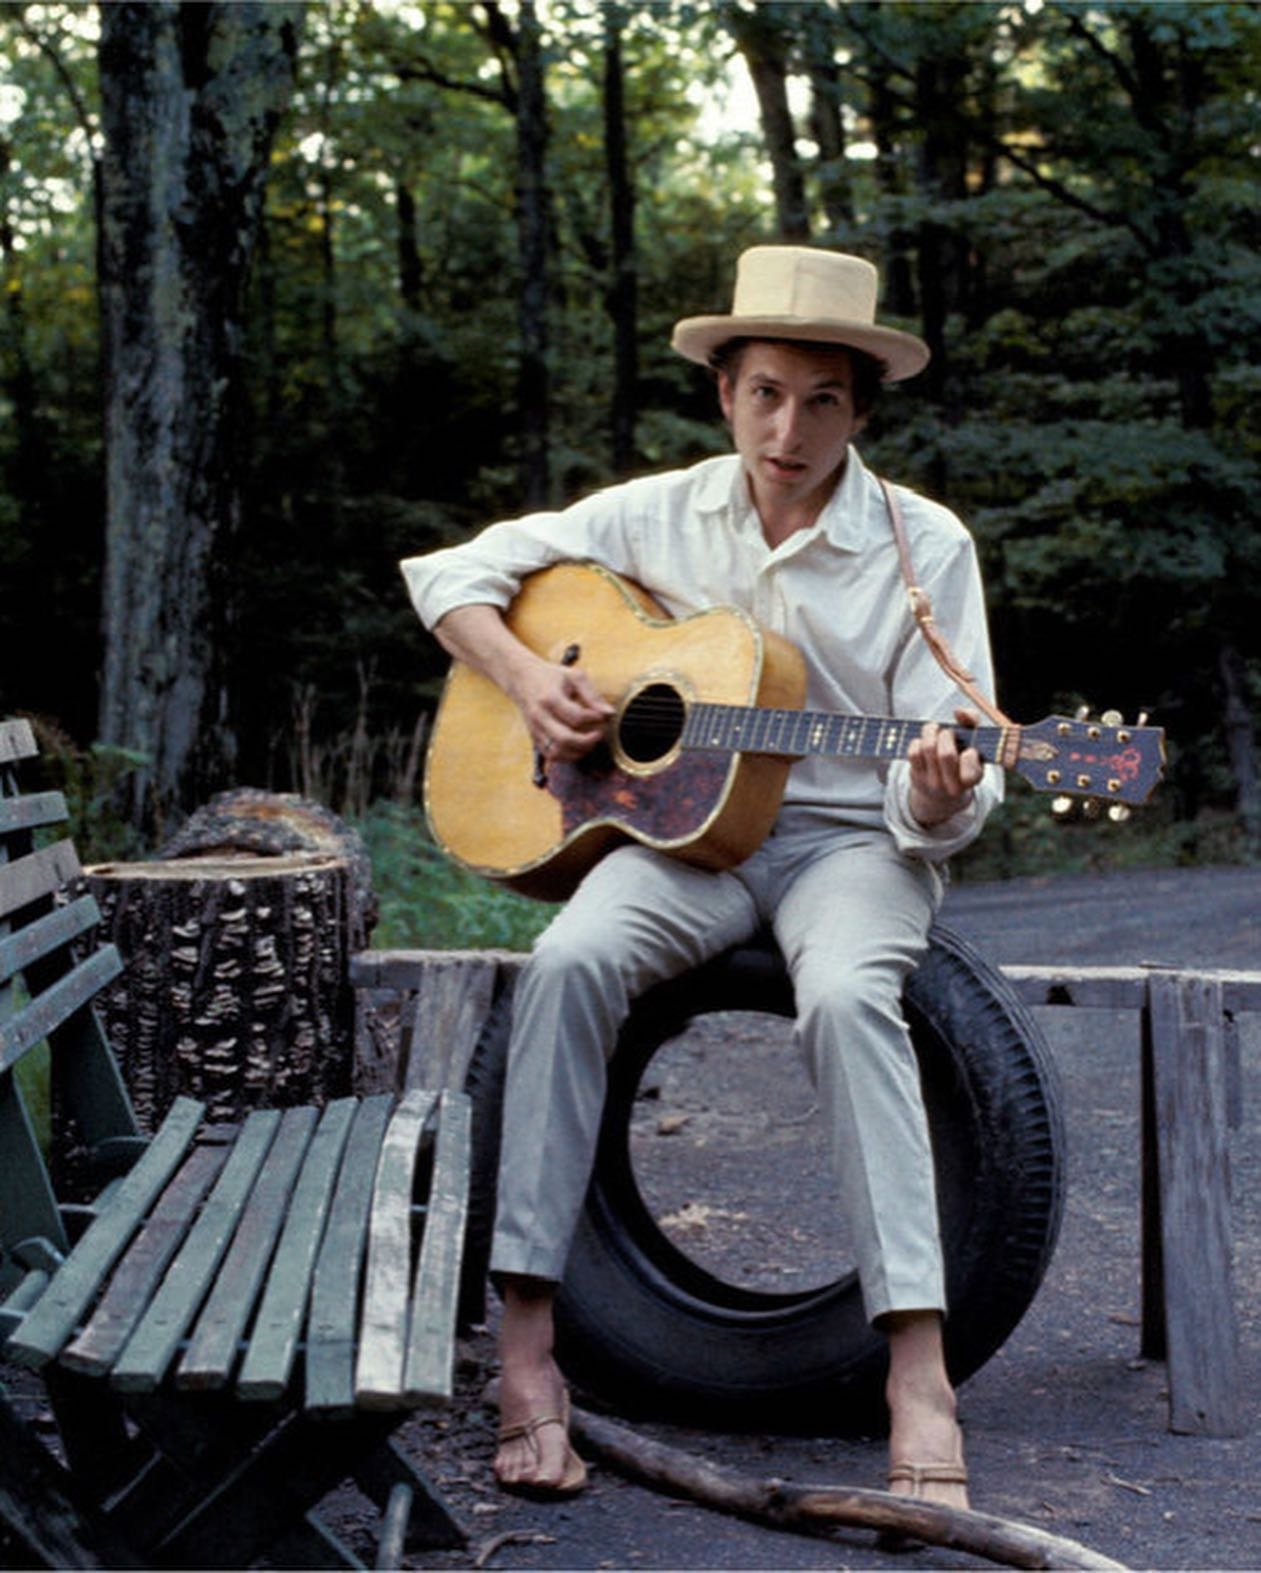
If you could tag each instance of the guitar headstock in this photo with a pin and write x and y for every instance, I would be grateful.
(1103, 762)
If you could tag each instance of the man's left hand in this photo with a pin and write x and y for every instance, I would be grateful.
(942, 776)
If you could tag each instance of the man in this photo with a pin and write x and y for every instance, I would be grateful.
(793, 528)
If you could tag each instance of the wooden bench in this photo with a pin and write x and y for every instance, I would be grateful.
(1188, 1098)
(239, 1317)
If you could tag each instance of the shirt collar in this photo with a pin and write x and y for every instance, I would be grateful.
(845, 517)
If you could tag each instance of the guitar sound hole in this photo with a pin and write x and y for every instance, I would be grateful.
(652, 723)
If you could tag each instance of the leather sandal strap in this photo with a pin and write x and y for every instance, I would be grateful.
(929, 1474)
(527, 1428)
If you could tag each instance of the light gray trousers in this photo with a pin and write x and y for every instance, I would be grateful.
(851, 915)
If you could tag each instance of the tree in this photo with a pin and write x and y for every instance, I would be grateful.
(190, 99)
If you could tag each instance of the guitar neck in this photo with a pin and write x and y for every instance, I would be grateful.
(752, 729)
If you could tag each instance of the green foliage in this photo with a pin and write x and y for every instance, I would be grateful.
(1062, 197)
(426, 901)
(90, 779)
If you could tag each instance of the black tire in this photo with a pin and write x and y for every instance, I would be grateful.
(646, 1327)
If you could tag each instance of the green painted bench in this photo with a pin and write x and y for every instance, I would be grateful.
(242, 1315)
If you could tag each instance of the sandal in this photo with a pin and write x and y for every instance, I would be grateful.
(917, 1476)
(575, 1475)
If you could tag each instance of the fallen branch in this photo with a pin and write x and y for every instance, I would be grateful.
(814, 1508)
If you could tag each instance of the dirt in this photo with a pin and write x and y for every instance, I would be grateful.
(1067, 1428)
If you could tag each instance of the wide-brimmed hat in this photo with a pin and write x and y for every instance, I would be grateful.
(801, 292)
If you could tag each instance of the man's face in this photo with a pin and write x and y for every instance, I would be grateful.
(791, 413)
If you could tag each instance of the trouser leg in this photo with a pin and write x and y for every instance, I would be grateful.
(852, 924)
(637, 918)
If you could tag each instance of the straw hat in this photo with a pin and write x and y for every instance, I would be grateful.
(798, 292)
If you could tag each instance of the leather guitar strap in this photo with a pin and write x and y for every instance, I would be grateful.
(922, 610)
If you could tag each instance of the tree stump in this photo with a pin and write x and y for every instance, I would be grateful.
(236, 987)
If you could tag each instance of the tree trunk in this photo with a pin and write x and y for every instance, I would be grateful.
(623, 295)
(236, 988)
(826, 123)
(190, 99)
(1241, 742)
(762, 41)
(533, 382)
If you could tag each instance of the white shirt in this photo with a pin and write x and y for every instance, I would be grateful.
(692, 538)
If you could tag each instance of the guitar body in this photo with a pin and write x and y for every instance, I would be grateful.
(710, 807)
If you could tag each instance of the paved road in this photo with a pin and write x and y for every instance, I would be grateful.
(1066, 1426)
(1189, 917)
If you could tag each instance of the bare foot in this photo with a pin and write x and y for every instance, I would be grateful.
(925, 1442)
(534, 1450)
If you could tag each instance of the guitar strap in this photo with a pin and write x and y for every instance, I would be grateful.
(922, 611)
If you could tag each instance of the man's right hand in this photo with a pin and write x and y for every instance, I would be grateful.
(565, 713)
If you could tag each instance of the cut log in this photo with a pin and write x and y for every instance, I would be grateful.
(236, 985)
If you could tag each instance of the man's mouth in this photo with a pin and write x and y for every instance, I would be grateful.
(785, 466)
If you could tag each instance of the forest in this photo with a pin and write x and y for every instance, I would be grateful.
(292, 291)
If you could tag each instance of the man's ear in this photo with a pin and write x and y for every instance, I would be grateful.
(726, 396)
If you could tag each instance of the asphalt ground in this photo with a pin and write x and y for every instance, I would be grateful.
(1066, 1426)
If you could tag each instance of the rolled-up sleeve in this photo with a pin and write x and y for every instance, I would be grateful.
(488, 570)
(922, 689)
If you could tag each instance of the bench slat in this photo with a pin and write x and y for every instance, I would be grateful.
(37, 874)
(140, 1271)
(47, 934)
(333, 1321)
(32, 811)
(212, 1351)
(388, 1279)
(273, 1345)
(430, 1371)
(17, 741)
(150, 1349)
(56, 1004)
(76, 1281)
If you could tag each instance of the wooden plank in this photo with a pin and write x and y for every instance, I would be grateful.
(151, 1347)
(442, 1021)
(332, 1325)
(36, 875)
(1189, 1089)
(31, 811)
(46, 935)
(1119, 988)
(140, 1271)
(388, 1277)
(74, 1286)
(273, 1345)
(402, 970)
(17, 741)
(430, 1371)
(57, 1004)
(212, 1350)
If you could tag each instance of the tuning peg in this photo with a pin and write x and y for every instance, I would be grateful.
(1118, 813)
(1090, 808)
(1142, 718)
(1061, 806)
(1112, 718)
(1082, 713)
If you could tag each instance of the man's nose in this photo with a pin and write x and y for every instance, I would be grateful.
(789, 423)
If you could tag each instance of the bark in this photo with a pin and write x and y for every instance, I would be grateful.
(190, 99)
(762, 40)
(623, 295)
(410, 273)
(533, 381)
(899, 275)
(939, 87)
(815, 1508)
(826, 123)
(1241, 741)
(235, 987)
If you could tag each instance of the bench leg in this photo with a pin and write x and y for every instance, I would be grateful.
(1188, 1251)
(429, 1523)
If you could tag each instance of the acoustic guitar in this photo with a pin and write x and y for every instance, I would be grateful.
(708, 721)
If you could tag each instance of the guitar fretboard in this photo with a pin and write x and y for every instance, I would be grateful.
(756, 730)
